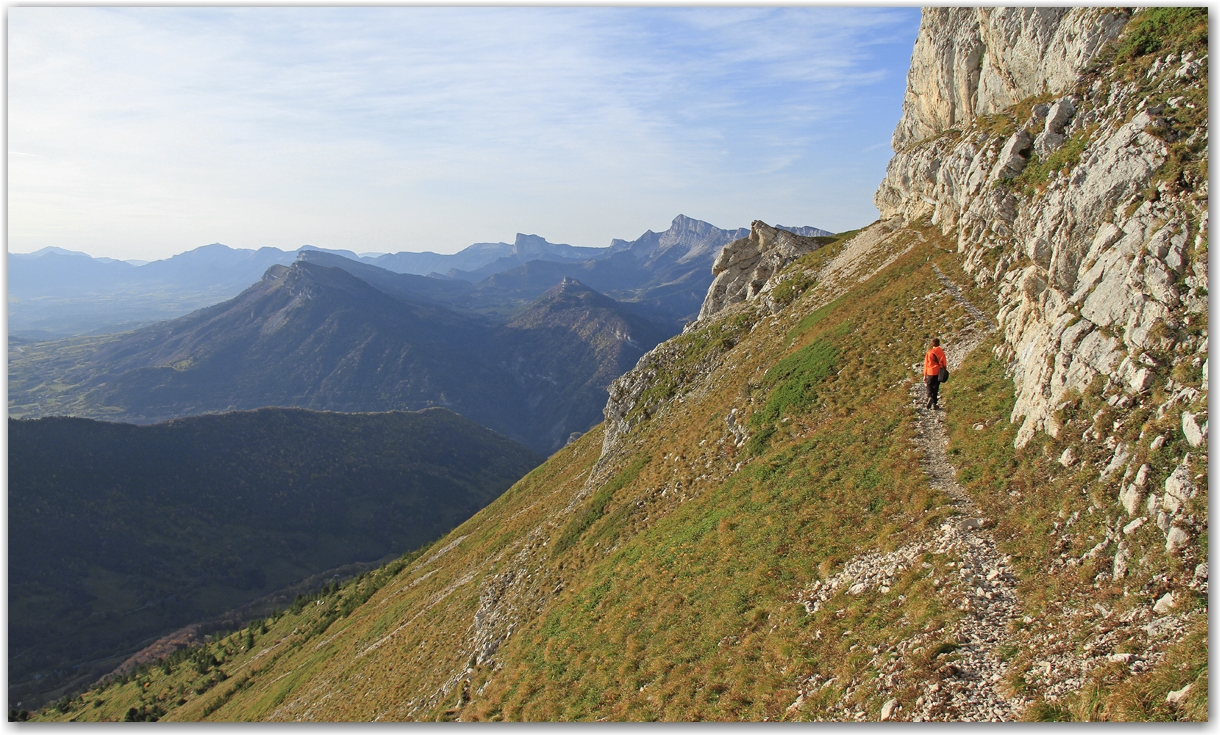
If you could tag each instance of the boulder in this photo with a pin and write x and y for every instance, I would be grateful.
(1164, 604)
(1130, 498)
(1195, 436)
(1178, 487)
(1052, 137)
(1175, 539)
(1013, 156)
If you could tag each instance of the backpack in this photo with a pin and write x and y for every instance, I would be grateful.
(943, 375)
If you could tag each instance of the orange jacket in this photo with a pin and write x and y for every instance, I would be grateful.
(934, 361)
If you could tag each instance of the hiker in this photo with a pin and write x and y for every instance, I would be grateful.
(933, 363)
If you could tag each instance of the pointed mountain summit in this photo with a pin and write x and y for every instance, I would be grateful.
(319, 337)
(309, 336)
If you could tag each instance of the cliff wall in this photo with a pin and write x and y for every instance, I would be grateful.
(1072, 176)
(1071, 201)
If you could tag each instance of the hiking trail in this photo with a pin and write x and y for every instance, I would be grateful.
(984, 588)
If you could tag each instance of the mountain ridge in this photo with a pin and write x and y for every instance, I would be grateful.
(319, 337)
(55, 292)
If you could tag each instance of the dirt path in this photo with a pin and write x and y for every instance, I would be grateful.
(971, 687)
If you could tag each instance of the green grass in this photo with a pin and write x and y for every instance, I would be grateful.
(679, 579)
(1163, 29)
(596, 507)
(792, 387)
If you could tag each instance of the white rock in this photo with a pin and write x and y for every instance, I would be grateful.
(1163, 605)
(1175, 697)
(1120, 562)
(1141, 476)
(1121, 658)
(978, 61)
(1178, 487)
(1130, 499)
(1101, 268)
(1194, 435)
(1068, 458)
(1121, 454)
(1140, 380)
(1134, 526)
(1157, 443)
(888, 708)
(744, 267)
(1175, 539)
(1013, 156)
(1052, 135)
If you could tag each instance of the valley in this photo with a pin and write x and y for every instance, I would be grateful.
(120, 533)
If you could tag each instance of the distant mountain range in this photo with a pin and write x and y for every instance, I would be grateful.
(55, 293)
(119, 533)
(320, 337)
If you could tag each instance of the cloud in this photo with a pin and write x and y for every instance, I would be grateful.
(384, 128)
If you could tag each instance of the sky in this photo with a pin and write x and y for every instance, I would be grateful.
(142, 132)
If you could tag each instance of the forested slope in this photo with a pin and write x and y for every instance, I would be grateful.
(119, 533)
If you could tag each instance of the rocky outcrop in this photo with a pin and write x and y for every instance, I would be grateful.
(745, 267)
(969, 62)
(1094, 261)
(1086, 212)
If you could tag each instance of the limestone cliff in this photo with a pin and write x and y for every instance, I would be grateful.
(969, 62)
(1100, 256)
(1083, 203)
(744, 268)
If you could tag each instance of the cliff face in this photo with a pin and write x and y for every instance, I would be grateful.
(969, 62)
(1068, 204)
(744, 267)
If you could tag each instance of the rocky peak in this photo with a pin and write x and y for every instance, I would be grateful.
(692, 238)
(745, 267)
(569, 287)
(533, 245)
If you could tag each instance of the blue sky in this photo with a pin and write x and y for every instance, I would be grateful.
(144, 132)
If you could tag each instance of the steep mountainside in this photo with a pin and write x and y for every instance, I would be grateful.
(318, 337)
(575, 332)
(121, 533)
(769, 524)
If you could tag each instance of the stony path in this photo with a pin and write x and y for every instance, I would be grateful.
(971, 687)
(956, 292)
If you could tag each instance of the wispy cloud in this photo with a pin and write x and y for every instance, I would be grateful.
(151, 130)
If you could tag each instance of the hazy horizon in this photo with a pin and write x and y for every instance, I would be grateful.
(139, 133)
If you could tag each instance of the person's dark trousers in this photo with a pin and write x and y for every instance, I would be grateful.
(933, 383)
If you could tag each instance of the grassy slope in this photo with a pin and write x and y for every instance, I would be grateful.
(680, 575)
(669, 592)
(718, 555)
